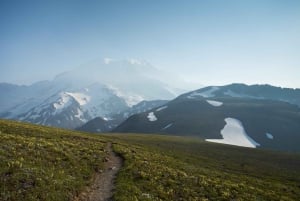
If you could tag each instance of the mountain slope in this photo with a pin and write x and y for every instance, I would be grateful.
(99, 124)
(103, 89)
(257, 122)
(70, 109)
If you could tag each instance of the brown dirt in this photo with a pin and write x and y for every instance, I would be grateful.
(103, 182)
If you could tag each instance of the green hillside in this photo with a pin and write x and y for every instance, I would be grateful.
(42, 163)
(175, 168)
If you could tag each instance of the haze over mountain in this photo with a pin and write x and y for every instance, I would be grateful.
(99, 89)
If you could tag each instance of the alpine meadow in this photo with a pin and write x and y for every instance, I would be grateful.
(128, 100)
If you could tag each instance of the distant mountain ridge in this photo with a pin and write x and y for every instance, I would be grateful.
(259, 116)
(250, 91)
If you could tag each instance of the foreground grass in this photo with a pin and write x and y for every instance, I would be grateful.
(41, 163)
(176, 168)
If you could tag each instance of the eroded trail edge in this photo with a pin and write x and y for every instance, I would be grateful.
(103, 183)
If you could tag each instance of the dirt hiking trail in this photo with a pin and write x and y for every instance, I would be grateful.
(103, 182)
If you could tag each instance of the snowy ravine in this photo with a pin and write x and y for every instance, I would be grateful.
(167, 126)
(214, 103)
(270, 136)
(234, 133)
(161, 108)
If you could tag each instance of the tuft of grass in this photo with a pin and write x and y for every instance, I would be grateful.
(177, 168)
(42, 163)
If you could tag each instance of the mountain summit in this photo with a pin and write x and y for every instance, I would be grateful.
(102, 88)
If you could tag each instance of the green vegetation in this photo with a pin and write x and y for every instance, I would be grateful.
(43, 163)
(177, 168)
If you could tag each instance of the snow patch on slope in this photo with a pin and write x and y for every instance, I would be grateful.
(130, 99)
(167, 126)
(206, 94)
(270, 136)
(214, 103)
(63, 102)
(81, 98)
(161, 108)
(80, 115)
(239, 95)
(234, 133)
(209, 93)
(151, 117)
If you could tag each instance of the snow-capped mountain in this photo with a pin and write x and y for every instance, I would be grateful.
(264, 118)
(72, 109)
(98, 89)
(99, 124)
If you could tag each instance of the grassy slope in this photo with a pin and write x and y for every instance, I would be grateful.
(41, 163)
(174, 168)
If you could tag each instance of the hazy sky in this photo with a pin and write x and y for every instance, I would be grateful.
(210, 42)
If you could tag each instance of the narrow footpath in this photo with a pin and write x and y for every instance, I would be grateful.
(103, 184)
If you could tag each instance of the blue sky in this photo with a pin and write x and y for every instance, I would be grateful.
(211, 42)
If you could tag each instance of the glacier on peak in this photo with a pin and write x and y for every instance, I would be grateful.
(102, 88)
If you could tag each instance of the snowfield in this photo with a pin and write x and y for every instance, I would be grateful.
(206, 94)
(63, 102)
(234, 133)
(270, 136)
(81, 98)
(80, 116)
(167, 126)
(239, 95)
(161, 108)
(151, 117)
(214, 103)
(209, 93)
(131, 99)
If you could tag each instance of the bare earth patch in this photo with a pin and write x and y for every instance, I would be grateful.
(103, 184)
